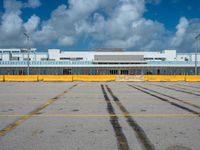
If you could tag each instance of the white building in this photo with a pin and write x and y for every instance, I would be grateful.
(100, 61)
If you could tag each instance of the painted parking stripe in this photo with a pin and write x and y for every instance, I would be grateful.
(23, 118)
(100, 115)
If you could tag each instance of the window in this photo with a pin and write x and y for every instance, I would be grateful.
(27, 58)
(67, 71)
(148, 58)
(113, 72)
(43, 59)
(124, 72)
(79, 58)
(76, 58)
(64, 58)
(15, 58)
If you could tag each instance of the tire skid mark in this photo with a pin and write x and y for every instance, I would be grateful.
(35, 112)
(165, 100)
(184, 88)
(140, 134)
(196, 87)
(121, 139)
(178, 90)
(174, 98)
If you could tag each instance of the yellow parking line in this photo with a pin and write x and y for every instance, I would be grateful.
(22, 94)
(24, 117)
(99, 115)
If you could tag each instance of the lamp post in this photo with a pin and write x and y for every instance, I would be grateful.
(28, 51)
(197, 38)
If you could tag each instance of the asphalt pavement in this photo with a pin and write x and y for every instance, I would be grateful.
(99, 116)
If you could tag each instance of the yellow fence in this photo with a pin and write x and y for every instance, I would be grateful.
(192, 78)
(100, 78)
(125, 78)
(21, 78)
(1, 78)
(57, 78)
(164, 78)
(94, 78)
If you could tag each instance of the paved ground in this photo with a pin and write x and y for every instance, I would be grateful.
(99, 116)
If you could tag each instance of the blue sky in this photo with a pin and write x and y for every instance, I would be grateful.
(170, 11)
(89, 24)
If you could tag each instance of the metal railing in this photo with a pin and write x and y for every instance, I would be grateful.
(81, 62)
(172, 62)
(18, 63)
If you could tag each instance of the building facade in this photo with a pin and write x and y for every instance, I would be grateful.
(100, 61)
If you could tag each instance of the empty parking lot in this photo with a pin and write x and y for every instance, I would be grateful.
(100, 115)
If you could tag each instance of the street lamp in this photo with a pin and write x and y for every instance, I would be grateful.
(197, 38)
(28, 51)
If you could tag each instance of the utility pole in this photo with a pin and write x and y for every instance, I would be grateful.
(197, 39)
(28, 52)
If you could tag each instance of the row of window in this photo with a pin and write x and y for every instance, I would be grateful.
(45, 62)
(9, 51)
(101, 71)
(80, 62)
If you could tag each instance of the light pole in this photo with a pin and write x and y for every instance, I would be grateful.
(28, 51)
(197, 38)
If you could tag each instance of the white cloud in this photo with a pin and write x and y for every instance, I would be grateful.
(188, 38)
(125, 27)
(33, 3)
(44, 36)
(180, 33)
(109, 23)
(32, 24)
(12, 25)
(12, 6)
(66, 41)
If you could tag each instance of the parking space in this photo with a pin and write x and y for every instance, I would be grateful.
(99, 115)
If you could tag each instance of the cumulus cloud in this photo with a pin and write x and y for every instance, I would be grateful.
(66, 41)
(180, 33)
(13, 26)
(32, 24)
(109, 23)
(122, 26)
(32, 3)
(12, 6)
(125, 27)
(10, 30)
(185, 35)
(44, 36)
